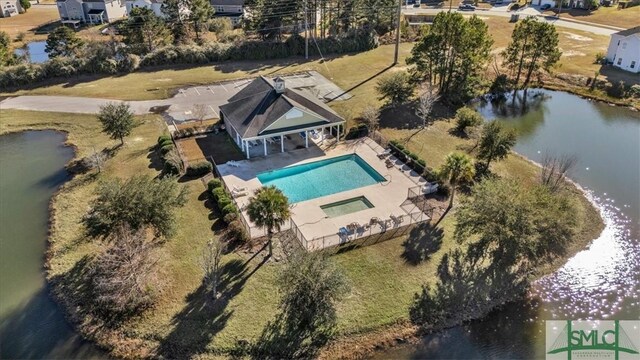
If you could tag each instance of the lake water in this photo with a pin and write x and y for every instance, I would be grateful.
(601, 282)
(35, 51)
(31, 324)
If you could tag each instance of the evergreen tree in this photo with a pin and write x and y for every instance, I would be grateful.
(145, 29)
(533, 47)
(63, 42)
(452, 54)
(495, 143)
(200, 13)
(7, 57)
(176, 16)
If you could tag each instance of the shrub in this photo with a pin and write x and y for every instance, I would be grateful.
(430, 175)
(230, 217)
(166, 148)
(199, 169)
(618, 90)
(214, 184)
(163, 138)
(634, 91)
(220, 25)
(223, 201)
(217, 193)
(237, 231)
(171, 167)
(443, 189)
(601, 58)
(229, 209)
(466, 117)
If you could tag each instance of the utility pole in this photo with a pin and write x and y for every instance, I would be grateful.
(395, 57)
(306, 32)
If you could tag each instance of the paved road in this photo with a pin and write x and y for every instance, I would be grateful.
(181, 105)
(501, 11)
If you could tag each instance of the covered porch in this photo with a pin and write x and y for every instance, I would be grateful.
(287, 141)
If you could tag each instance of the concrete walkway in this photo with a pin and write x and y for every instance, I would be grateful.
(501, 11)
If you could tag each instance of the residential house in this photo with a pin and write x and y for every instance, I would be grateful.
(232, 9)
(624, 50)
(10, 8)
(154, 5)
(90, 11)
(266, 111)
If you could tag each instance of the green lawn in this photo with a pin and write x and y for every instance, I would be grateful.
(384, 277)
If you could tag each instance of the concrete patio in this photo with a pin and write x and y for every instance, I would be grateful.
(389, 198)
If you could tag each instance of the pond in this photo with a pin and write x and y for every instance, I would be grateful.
(31, 324)
(601, 282)
(35, 52)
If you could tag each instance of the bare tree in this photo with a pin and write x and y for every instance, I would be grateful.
(199, 112)
(371, 117)
(555, 170)
(125, 277)
(211, 264)
(426, 101)
(96, 160)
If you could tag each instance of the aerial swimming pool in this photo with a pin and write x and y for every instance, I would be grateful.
(322, 178)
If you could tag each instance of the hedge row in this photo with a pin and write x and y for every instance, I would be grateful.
(229, 211)
(356, 132)
(411, 159)
(200, 168)
(103, 61)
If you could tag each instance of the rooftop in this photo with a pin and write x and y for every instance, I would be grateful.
(629, 32)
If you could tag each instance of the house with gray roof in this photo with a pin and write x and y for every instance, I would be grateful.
(74, 12)
(231, 9)
(624, 50)
(266, 111)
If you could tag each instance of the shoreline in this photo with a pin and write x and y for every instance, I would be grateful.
(347, 346)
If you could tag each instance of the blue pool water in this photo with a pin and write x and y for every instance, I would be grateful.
(322, 178)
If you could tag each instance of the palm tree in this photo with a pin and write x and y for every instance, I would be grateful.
(457, 168)
(269, 209)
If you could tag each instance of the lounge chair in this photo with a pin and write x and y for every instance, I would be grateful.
(384, 154)
(270, 141)
(235, 188)
(253, 143)
(314, 134)
(397, 219)
(239, 193)
(303, 135)
(233, 163)
(343, 232)
(388, 163)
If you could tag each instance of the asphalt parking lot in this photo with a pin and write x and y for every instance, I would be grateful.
(212, 96)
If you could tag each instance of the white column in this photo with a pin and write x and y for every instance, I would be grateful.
(246, 146)
(306, 138)
(237, 138)
(338, 132)
(264, 144)
(281, 143)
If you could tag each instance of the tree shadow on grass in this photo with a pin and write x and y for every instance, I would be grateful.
(204, 317)
(423, 241)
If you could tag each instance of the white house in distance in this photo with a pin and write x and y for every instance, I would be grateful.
(624, 50)
(232, 9)
(74, 12)
(266, 114)
(10, 8)
(154, 5)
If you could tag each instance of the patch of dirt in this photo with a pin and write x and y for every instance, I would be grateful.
(163, 80)
(571, 53)
(576, 37)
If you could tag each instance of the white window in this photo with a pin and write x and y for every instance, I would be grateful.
(619, 61)
(633, 64)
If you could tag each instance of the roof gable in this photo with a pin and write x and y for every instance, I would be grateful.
(628, 32)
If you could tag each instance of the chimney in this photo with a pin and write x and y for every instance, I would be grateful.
(278, 84)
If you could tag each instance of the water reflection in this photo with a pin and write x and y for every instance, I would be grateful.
(600, 282)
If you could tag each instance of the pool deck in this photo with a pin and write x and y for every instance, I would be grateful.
(388, 198)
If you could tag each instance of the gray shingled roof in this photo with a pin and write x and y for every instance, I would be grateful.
(633, 30)
(257, 106)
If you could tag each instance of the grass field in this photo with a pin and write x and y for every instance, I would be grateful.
(612, 16)
(384, 277)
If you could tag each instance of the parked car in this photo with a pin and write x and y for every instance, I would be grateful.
(466, 7)
(545, 7)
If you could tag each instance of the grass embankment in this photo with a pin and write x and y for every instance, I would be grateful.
(384, 277)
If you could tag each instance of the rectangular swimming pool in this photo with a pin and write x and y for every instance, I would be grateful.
(322, 178)
(348, 206)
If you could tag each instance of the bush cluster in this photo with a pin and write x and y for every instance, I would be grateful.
(102, 59)
(194, 130)
(169, 155)
(200, 168)
(411, 159)
(228, 210)
(357, 132)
